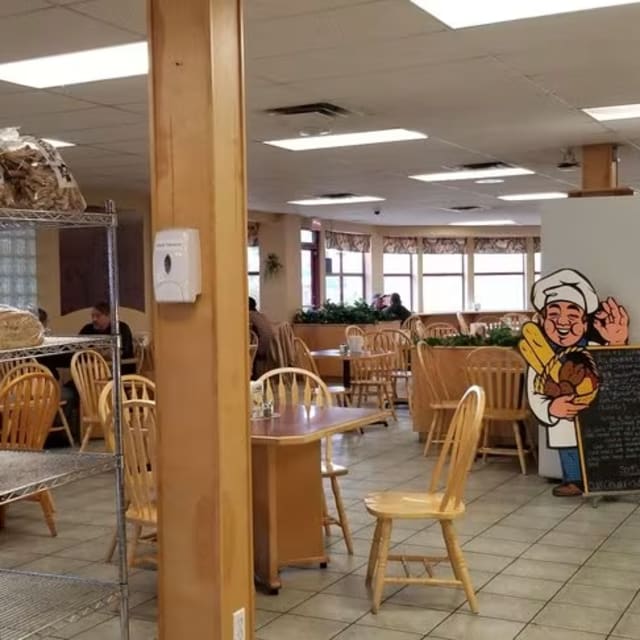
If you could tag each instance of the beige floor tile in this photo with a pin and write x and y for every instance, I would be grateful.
(509, 548)
(541, 569)
(291, 627)
(263, 617)
(590, 596)
(578, 541)
(359, 632)
(333, 607)
(430, 597)
(405, 618)
(539, 632)
(309, 579)
(85, 623)
(554, 553)
(501, 532)
(110, 630)
(522, 587)
(607, 578)
(354, 586)
(614, 560)
(462, 626)
(493, 605)
(628, 627)
(570, 616)
(286, 600)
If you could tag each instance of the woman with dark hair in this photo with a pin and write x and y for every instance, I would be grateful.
(260, 325)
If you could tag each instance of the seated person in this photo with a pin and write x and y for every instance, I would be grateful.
(395, 311)
(260, 325)
(101, 325)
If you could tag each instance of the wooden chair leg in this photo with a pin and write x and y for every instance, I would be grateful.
(133, 545)
(381, 570)
(48, 509)
(86, 437)
(65, 425)
(430, 433)
(521, 456)
(112, 547)
(373, 553)
(325, 515)
(458, 563)
(485, 439)
(342, 515)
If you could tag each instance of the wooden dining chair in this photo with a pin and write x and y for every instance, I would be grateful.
(28, 406)
(353, 330)
(304, 360)
(442, 502)
(501, 373)
(282, 386)
(514, 319)
(490, 320)
(434, 394)
(440, 330)
(282, 349)
(33, 366)
(399, 343)
(139, 440)
(414, 325)
(87, 369)
(134, 387)
(371, 376)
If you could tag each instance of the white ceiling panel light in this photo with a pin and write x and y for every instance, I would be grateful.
(106, 63)
(459, 14)
(616, 112)
(306, 143)
(473, 174)
(311, 202)
(482, 223)
(58, 144)
(523, 197)
(490, 181)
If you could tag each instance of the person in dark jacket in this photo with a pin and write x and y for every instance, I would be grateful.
(395, 311)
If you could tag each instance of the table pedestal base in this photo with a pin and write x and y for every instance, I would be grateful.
(287, 509)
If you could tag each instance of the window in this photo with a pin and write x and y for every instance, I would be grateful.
(253, 262)
(499, 281)
(400, 271)
(537, 265)
(443, 282)
(345, 276)
(18, 280)
(309, 242)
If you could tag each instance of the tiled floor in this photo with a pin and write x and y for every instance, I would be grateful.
(545, 568)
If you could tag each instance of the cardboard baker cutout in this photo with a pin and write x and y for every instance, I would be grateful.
(562, 378)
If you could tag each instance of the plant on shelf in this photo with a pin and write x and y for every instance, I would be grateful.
(499, 337)
(272, 265)
(332, 313)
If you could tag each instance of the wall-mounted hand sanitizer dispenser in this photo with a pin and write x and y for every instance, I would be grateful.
(176, 265)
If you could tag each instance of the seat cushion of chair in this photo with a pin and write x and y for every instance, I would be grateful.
(397, 504)
(146, 517)
(332, 469)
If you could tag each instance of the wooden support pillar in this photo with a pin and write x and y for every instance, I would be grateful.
(198, 169)
(600, 172)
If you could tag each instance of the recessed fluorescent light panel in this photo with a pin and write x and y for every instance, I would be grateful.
(490, 181)
(517, 197)
(347, 200)
(472, 174)
(459, 14)
(482, 223)
(305, 143)
(617, 112)
(121, 61)
(58, 144)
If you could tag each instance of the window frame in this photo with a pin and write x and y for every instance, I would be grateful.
(341, 274)
(411, 276)
(522, 274)
(462, 274)
(314, 247)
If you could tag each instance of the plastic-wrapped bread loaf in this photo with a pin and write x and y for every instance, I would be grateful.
(19, 328)
(37, 174)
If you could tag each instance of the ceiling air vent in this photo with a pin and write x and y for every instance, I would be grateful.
(465, 208)
(337, 196)
(477, 166)
(325, 109)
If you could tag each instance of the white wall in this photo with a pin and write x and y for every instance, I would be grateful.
(599, 237)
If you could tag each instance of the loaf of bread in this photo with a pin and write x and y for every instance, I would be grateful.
(19, 328)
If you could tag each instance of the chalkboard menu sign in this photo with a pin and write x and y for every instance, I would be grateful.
(609, 430)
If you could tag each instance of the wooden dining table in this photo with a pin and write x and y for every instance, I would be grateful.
(346, 360)
(287, 485)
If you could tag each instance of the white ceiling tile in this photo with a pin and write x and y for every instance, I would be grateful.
(13, 7)
(97, 135)
(112, 92)
(269, 9)
(127, 14)
(139, 147)
(37, 102)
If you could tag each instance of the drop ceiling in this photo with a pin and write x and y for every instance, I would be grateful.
(510, 92)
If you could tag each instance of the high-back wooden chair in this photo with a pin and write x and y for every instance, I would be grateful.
(515, 320)
(283, 352)
(282, 386)
(134, 387)
(88, 370)
(489, 320)
(442, 502)
(33, 366)
(399, 343)
(28, 406)
(440, 330)
(414, 325)
(371, 375)
(433, 393)
(353, 330)
(139, 440)
(501, 373)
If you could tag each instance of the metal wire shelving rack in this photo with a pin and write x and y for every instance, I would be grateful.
(32, 604)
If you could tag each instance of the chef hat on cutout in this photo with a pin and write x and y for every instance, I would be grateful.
(565, 285)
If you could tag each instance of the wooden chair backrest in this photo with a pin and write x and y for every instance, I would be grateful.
(282, 347)
(134, 387)
(489, 320)
(463, 324)
(440, 330)
(21, 368)
(282, 387)
(431, 380)
(28, 407)
(414, 325)
(399, 343)
(8, 365)
(253, 350)
(376, 367)
(353, 330)
(139, 440)
(453, 464)
(500, 372)
(517, 319)
(87, 367)
(304, 359)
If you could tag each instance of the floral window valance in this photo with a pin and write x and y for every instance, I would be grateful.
(537, 245)
(443, 245)
(400, 245)
(347, 241)
(501, 245)
(252, 234)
